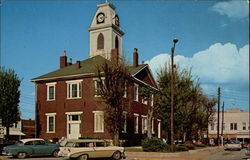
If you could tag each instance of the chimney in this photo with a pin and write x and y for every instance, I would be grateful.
(78, 64)
(63, 60)
(114, 55)
(70, 62)
(135, 60)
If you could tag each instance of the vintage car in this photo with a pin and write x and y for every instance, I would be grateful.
(31, 147)
(232, 145)
(82, 149)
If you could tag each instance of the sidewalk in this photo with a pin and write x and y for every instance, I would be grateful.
(197, 154)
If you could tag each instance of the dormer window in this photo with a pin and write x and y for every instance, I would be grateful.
(100, 41)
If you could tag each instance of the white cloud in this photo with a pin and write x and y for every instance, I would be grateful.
(236, 9)
(219, 64)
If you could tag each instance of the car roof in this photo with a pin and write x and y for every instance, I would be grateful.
(85, 140)
(31, 139)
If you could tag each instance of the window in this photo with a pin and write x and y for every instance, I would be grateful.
(74, 89)
(233, 126)
(152, 99)
(212, 126)
(97, 86)
(100, 41)
(144, 124)
(124, 127)
(125, 91)
(136, 122)
(116, 42)
(50, 122)
(144, 100)
(244, 126)
(152, 125)
(98, 121)
(136, 92)
(51, 91)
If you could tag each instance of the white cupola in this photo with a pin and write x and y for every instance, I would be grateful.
(105, 33)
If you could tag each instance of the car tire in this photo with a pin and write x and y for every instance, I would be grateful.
(55, 153)
(116, 155)
(21, 155)
(83, 157)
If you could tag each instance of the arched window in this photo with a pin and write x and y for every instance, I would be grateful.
(116, 42)
(100, 41)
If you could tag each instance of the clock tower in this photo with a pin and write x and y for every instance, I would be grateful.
(105, 33)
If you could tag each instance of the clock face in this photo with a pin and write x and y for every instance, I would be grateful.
(100, 18)
(117, 22)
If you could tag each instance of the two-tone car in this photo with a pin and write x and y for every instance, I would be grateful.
(31, 147)
(232, 145)
(82, 149)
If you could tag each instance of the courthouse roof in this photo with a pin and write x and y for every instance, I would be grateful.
(88, 67)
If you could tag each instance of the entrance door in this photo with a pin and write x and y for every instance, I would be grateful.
(74, 130)
(73, 125)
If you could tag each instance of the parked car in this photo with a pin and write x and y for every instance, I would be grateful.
(31, 147)
(82, 149)
(232, 145)
(245, 145)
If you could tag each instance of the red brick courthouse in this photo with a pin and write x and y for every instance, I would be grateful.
(66, 100)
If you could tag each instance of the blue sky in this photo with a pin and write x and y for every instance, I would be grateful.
(213, 40)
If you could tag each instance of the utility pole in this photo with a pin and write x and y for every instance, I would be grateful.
(172, 96)
(222, 123)
(218, 117)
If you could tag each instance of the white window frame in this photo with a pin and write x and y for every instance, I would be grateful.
(144, 100)
(159, 128)
(48, 91)
(69, 89)
(125, 122)
(125, 91)
(152, 100)
(152, 126)
(95, 86)
(212, 126)
(54, 120)
(98, 128)
(143, 124)
(136, 92)
(136, 123)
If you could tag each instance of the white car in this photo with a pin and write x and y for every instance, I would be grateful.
(82, 149)
(232, 145)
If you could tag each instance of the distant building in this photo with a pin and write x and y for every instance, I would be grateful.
(28, 128)
(68, 104)
(236, 126)
(15, 130)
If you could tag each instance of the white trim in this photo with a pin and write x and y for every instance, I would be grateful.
(136, 128)
(70, 76)
(98, 114)
(136, 92)
(146, 84)
(51, 83)
(125, 122)
(74, 113)
(159, 128)
(48, 85)
(78, 89)
(95, 86)
(48, 115)
(152, 125)
(140, 70)
(143, 124)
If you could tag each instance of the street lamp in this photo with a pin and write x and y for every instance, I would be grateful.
(172, 95)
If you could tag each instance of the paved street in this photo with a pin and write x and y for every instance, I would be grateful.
(202, 154)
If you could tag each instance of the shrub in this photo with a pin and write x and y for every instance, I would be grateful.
(181, 147)
(154, 145)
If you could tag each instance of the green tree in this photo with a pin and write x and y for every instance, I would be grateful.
(189, 104)
(112, 80)
(9, 98)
